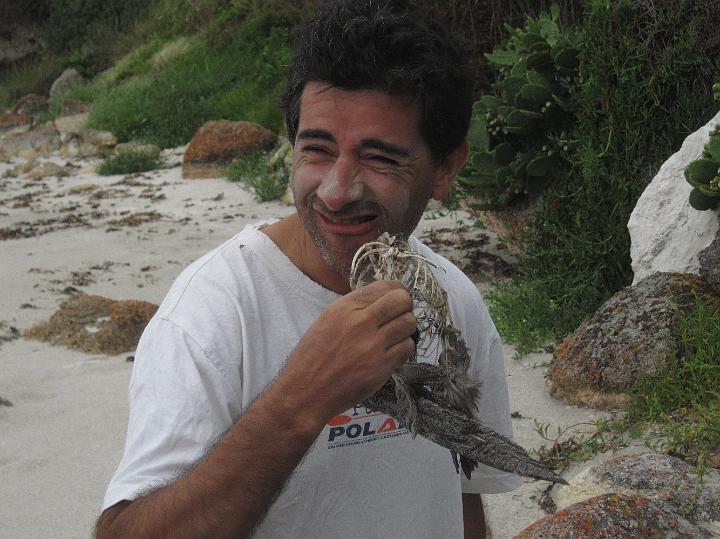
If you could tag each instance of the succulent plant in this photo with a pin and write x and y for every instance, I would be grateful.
(519, 132)
(703, 173)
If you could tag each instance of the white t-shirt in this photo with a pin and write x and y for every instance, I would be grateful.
(224, 332)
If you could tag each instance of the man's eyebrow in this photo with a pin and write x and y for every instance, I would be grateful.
(386, 147)
(315, 133)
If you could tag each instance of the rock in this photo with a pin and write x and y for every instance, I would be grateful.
(137, 147)
(95, 324)
(26, 111)
(9, 120)
(633, 334)
(49, 169)
(669, 482)
(71, 107)
(511, 224)
(89, 143)
(220, 142)
(31, 105)
(666, 233)
(69, 79)
(709, 260)
(41, 140)
(612, 516)
(71, 125)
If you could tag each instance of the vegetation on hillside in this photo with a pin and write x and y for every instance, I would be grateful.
(645, 77)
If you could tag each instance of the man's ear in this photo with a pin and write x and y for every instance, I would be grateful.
(448, 169)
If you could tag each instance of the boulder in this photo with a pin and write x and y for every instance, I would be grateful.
(31, 105)
(71, 125)
(26, 111)
(666, 233)
(633, 334)
(69, 79)
(95, 324)
(49, 168)
(41, 140)
(9, 120)
(612, 516)
(89, 143)
(137, 147)
(709, 260)
(71, 107)
(668, 481)
(220, 142)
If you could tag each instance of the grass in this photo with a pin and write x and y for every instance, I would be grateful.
(129, 162)
(33, 76)
(239, 81)
(683, 401)
(253, 171)
(677, 411)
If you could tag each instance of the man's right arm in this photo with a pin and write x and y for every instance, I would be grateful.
(346, 355)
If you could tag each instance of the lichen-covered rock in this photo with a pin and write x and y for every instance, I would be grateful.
(220, 142)
(668, 481)
(89, 143)
(31, 105)
(613, 516)
(709, 259)
(95, 324)
(138, 147)
(666, 233)
(41, 140)
(69, 79)
(71, 107)
(633, 334)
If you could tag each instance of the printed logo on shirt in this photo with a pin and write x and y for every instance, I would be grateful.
(360, 425)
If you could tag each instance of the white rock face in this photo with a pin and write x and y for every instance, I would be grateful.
(666, 233)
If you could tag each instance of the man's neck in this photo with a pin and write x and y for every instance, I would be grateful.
(292, 239)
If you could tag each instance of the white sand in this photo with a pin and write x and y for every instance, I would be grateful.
(63, 436)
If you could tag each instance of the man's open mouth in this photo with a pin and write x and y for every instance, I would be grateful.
(355, 224)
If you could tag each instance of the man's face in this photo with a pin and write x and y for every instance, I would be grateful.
(360, 168)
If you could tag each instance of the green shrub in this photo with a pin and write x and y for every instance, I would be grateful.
(129, 162)
(241, 81)
(522, 133)
(645, 79)
(266, 182)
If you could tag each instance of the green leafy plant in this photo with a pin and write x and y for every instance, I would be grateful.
(129, 162)
(703, 173)
(265, 176)
(522, 133)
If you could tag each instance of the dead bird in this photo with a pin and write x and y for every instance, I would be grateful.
(437, 401)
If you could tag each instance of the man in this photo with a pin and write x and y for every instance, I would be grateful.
(244, 398)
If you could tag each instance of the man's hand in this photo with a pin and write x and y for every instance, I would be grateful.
(352, 349)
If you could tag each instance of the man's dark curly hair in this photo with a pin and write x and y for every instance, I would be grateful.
(385, 45)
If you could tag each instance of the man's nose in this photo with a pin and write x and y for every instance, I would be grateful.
(342, 185)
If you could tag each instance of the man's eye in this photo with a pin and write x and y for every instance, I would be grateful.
(382, 159)
(314, 149)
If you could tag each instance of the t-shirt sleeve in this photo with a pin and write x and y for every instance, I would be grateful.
(180, 404)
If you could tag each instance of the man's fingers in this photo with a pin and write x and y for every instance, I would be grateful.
(393, 304)
(371, 293)
(401, 328)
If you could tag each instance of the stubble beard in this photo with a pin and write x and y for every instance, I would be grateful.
(341, 264)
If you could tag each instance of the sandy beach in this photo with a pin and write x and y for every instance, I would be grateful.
(128, 237)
